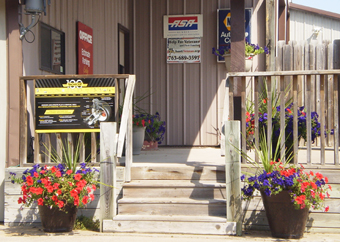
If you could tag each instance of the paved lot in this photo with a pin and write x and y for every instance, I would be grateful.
(33, 234)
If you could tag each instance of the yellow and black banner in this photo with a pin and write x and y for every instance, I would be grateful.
(66, 105)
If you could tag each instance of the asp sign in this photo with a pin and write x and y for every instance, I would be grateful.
(183, 26)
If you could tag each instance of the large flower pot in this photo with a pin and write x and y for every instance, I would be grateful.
(247, 65)
(284, 220)
(54, 220)
(138, 139)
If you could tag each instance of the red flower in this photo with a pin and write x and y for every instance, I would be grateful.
(300, 199)
(77, 177)
(94, 187)
(29, 180)
(264, 101)
(40, 201)
(60, 204)
(21, 200)
(85, 199)
(74, 193)
(326, 209)
(314, 186)
(59, 192)
(88, 189)
(69, 172)
(322, 196)
(55, 198)
(330, 187)
(44, 181)
(42, 172)
(92, 197)
(319, 175)
(54, 169)
(36, 175)
(56, 186)
(326, 179)
(143, 122)
(49, 188)
(288, 110)
(58, 174)
(312, 173)
(76, 201)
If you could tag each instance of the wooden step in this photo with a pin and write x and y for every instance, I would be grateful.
(170, 224)
(179, 172)
(171, 206)
(195, 189)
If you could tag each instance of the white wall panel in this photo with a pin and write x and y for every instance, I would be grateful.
(302, 25)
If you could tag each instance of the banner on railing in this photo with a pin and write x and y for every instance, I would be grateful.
(69, 105)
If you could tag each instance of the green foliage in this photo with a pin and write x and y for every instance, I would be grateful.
(85, 223)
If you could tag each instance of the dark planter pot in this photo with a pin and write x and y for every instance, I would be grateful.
(284, 220)
(54, 220)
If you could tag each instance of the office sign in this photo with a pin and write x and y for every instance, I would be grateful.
(85, 49)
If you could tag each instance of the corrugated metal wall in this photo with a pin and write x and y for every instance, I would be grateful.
(189, 97)
(302, 25)
(103, 16)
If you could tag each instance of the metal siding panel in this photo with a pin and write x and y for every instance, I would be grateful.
(210, 72)
(175, 123)
(142, 50)
(159, 75)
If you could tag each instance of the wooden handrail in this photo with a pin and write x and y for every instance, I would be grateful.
(321, 79)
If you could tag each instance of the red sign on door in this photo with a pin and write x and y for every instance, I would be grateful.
(85, 49)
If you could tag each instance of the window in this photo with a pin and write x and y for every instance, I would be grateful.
(52, 49)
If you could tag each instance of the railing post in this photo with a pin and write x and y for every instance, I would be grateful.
(233, 174)
(108, 144)
(225, 114)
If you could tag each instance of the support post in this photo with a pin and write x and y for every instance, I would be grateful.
(233, 174)
(108, 156)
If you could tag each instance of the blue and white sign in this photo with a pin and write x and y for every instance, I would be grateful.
(183, 26)
(224, 28)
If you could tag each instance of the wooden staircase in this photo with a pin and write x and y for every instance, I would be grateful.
(175, 198)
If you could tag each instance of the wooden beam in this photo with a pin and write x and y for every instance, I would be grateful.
(108, 144)
(270, 34)
(233, 174)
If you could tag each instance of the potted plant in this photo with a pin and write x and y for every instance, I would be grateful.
(58, 190)
(250, 51)
(276, 110)
(287, 191)
(154, 132)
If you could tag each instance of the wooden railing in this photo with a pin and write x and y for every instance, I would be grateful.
(322, 80)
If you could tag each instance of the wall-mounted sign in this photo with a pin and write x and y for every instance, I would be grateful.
(67, 105)
(183, 26)
(224, 27)
(184, 50)
(85, 49)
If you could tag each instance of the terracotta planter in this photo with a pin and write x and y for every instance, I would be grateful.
(284, 220)
(247, 65)
(150, 145)
(54, 220)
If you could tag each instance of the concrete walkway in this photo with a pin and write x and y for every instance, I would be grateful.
(33, 234)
